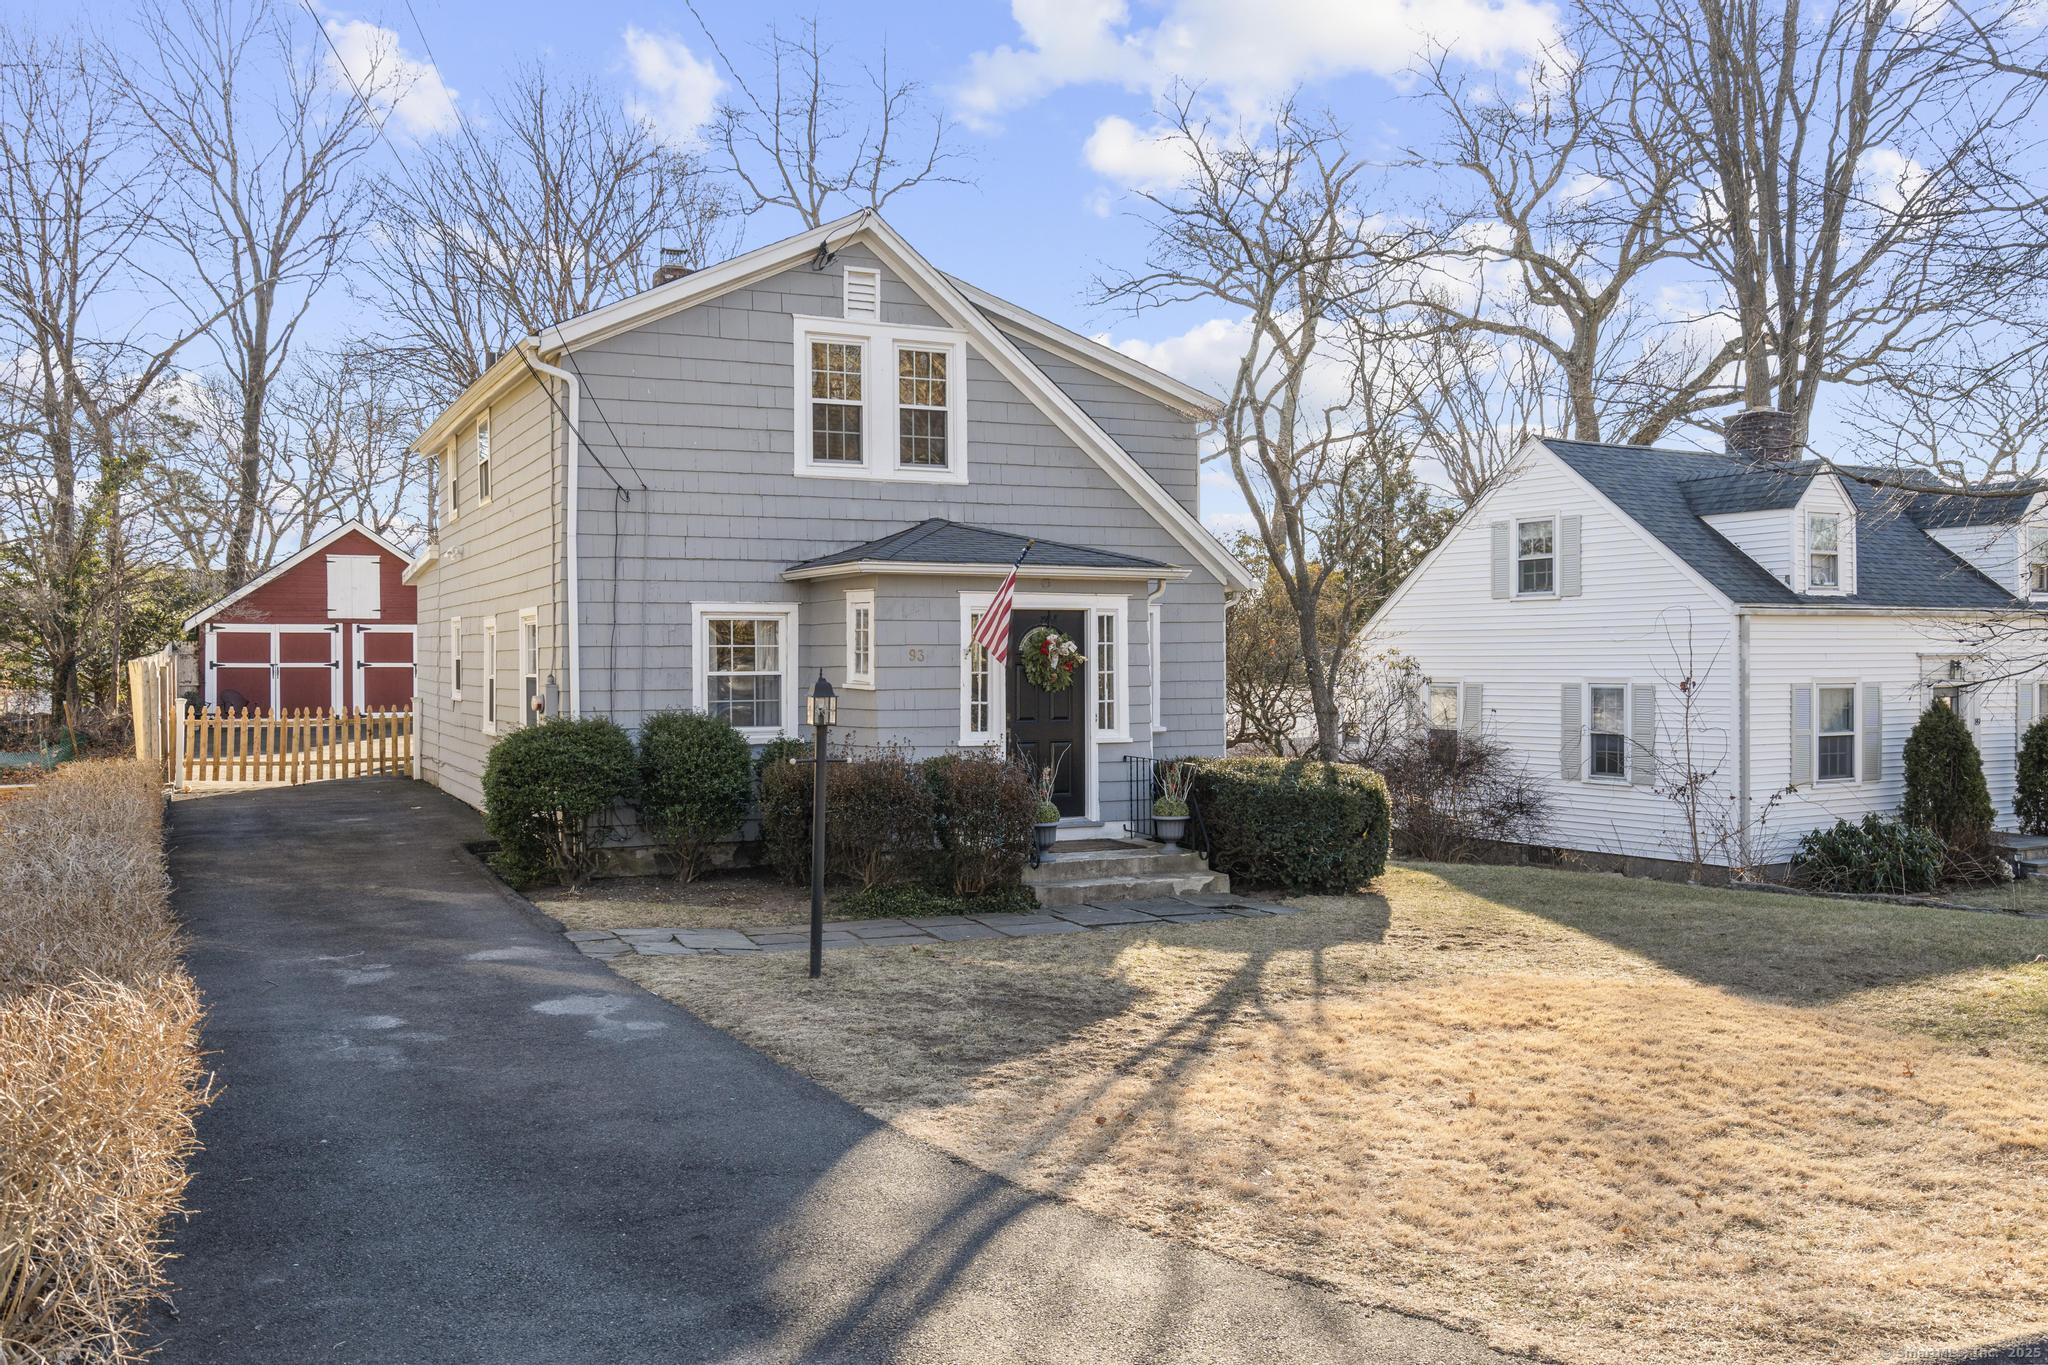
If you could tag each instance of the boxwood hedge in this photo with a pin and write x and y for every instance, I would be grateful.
(1296, 823)
(550, 793)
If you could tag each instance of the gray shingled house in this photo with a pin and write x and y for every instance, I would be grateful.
(1623, 615)
(823, 455)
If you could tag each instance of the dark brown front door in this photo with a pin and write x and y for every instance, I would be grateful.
(1045, 727)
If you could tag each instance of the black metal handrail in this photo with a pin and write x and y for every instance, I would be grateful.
(1141, 788)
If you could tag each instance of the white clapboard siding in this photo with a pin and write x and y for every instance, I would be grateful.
(1629, 624)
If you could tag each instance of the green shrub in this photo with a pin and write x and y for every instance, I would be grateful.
(549, 794)
(696, 777)
(1296, 823)
(983, 808)
(1945, 789)
(912, 900)
(1880, 855)
(878, 818)
(2030, 789)
(783, 772)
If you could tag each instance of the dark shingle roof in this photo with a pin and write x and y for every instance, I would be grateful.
(1935, 509)
(938, 541)
(1669, 492)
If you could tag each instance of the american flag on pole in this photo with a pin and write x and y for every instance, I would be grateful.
(993, 631)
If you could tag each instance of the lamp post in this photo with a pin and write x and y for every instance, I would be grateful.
(822, 712)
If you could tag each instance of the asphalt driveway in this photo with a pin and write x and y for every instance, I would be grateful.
(445, 1135)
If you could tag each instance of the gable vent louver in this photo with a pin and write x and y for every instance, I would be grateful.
(863, 293)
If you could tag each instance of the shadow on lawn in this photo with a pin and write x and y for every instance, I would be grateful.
(1775, 948)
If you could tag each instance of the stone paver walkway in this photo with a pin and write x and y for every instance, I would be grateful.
(901, 933)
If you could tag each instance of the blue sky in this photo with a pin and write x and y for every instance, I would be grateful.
(1053, 98)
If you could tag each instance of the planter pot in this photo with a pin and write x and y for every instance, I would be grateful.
(1171, 829)
(1043, 837)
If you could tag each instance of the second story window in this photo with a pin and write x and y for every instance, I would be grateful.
(836, 406)
(483, 460)
(1823, 551)
(2037, 563)
(880, 401)
(1535, 558)
(921, 407)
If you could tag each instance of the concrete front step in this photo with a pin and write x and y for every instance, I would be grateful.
(1144, 886)
(1122, 862)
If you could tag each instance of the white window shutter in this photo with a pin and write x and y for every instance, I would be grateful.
(1873, 733)
(1642, 719)
(1570, 534)
(1472, 709)
(1569, 766)
(1501, 566)
(1802, 735)
(340, 586)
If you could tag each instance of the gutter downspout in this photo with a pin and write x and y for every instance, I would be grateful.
(1154, 622)
(572, 608)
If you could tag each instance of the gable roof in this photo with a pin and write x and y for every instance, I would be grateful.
(937, 542)
(1898, 565)
(946, 298)
(279, 570)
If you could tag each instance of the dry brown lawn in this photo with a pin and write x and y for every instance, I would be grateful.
(1591, 1118)
(752, 899)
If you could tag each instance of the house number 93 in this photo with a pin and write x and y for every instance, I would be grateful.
(917, 656)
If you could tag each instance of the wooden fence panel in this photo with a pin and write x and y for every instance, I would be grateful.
(249, 748)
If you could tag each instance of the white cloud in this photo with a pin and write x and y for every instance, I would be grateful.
(1891, 177)
(1139, 159)
(1247, 53)
(1226, 525)
(369, 58)
(678, 89)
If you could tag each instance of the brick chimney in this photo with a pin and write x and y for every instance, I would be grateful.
(672, 268)
(1763, 436)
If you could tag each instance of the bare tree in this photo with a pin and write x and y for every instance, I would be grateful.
(551, 208)
(799, 139)
(265, 202)
(78, 196)
(1271, 224)
(1561, 208)
(1859, 174)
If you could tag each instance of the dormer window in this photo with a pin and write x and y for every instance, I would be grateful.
(1823, 551)
(2037, 563)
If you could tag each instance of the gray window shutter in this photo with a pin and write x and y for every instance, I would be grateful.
(1568, 732)
(1500, 559)
(2025, 709)
(1642, 719)
(1802, 735)
(1873, 733)
(1472, 710)
(1569, 533)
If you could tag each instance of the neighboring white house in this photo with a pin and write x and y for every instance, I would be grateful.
(1816, 617)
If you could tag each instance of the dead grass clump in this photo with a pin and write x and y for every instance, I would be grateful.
(82, 885)
(101, 1083)
(100, 1075)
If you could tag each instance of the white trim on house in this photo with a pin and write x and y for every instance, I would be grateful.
(1155, 632)
(881, 446)
(455, 658)
(413, 571)
(481, 437)
(529, 665)
(860, 672)
(861, 568)
(1093, 606)
(787, 643)
(1093, 356)
(490, 711)
(278, 570)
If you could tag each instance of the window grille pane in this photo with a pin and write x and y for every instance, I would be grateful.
(921, 392)
(1105, 672)
(835, 371)
(1535, 537)
(835, 433)
(977, 681)
(1610, 758)
(1825, 533)
(1609, 708)
(1443, 708)
(1838, 756)
(1837, 710)
(1821, 571)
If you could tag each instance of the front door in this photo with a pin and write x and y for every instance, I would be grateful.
(1045, 727)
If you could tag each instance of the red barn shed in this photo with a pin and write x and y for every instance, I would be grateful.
(330, 629)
